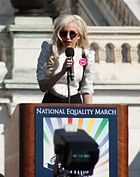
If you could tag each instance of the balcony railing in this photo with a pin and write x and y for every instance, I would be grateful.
(117, 59)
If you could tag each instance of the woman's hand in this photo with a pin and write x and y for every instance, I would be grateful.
(46, 84)
(67, 64)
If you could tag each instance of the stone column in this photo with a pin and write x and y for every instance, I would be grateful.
(27, 35)
(102, 55)
(118, 55)
(134, 55)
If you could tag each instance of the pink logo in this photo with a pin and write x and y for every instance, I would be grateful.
(83, 61)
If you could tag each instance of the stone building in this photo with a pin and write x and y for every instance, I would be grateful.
(114, 34)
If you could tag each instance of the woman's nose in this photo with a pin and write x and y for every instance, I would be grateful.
(68, 35)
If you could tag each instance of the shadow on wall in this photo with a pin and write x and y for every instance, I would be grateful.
(134, 168)
(4, 117)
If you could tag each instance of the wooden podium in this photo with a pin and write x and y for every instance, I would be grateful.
(22, 135)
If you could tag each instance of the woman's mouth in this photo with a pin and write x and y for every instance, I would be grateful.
(68, 43)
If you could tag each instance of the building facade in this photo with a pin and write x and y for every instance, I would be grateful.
(114, 34)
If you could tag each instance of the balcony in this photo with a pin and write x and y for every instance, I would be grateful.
(117, 58)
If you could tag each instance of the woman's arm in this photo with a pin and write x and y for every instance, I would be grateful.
(87, 89)
(47, 84)
(87, 98)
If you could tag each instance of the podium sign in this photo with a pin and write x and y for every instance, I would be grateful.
(106, 124)
(100, 122)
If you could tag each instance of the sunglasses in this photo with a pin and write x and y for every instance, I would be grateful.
(64, 34)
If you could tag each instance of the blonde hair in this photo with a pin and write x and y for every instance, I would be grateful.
(59, 24)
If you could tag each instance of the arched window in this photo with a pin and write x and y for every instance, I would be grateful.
(139, 53)
(94, 46)
(110, 57)
(126, 53)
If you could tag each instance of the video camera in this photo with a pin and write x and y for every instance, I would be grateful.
(76, 153)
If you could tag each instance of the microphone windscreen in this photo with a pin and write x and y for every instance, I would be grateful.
(69, 52)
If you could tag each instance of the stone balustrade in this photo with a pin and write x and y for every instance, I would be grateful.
(123, 43)
(122, 12)
(107, 13)
(117, 54)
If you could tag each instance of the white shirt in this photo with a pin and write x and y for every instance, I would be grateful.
(60, 88)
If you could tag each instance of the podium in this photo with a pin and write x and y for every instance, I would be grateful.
(29, 137)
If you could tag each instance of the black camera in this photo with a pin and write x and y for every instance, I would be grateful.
(76, 153)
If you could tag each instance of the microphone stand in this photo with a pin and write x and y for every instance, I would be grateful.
(69, 54)
(68, 84)
(70, 76)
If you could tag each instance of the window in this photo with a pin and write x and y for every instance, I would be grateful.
(110, 53)
(95, 47)
(126, 53)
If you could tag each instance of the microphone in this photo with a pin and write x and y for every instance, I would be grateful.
(69, 54)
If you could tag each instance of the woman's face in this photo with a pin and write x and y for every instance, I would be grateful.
(69, 35)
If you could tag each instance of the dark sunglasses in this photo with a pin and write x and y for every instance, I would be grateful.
(63, 34)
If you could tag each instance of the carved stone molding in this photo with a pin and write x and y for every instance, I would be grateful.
(122, 12)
